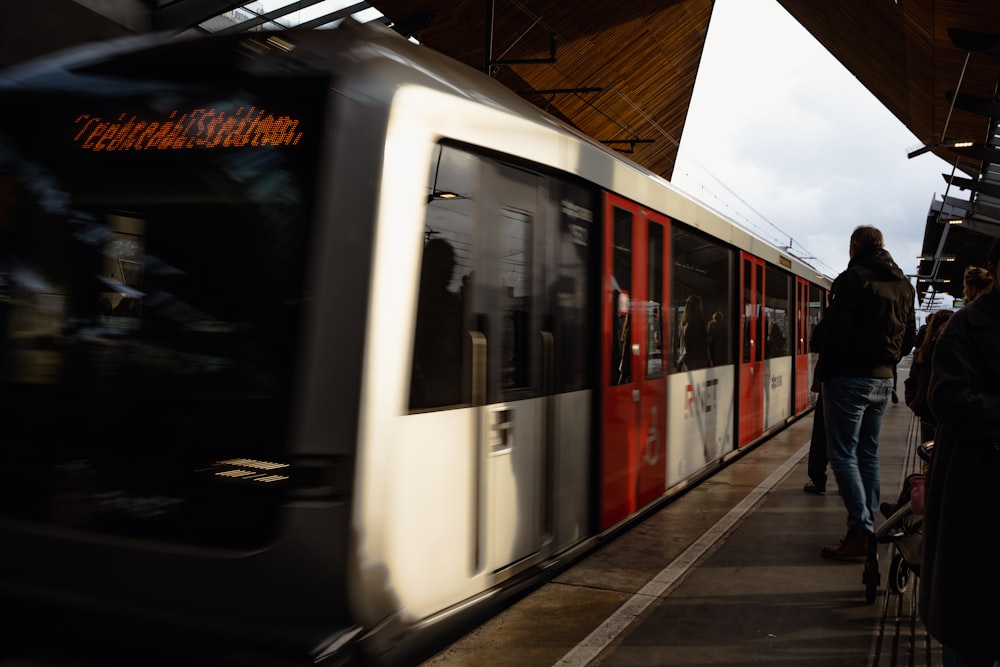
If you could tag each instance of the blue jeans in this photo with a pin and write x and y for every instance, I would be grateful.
(853, 409)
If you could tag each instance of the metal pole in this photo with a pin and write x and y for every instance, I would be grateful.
(488, 45)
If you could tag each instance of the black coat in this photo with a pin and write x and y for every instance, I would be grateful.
(871, 323)
(960, 568)
(916, 385)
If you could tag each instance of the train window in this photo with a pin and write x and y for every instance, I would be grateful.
(817, 306)
(444, 314)
(506, 260)
(758, 322)
(776, 310)
(621, 342)
(568, 301)
(701, 300)
(515, 278)
(508, 295)
(654, 304)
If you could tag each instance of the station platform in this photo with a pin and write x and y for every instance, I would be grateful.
(729, 573)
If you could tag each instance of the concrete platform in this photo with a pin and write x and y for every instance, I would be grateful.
(729, 573)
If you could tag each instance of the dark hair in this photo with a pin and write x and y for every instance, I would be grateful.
(977, 278)
(936, 319)
(693, 310)
(867, 238)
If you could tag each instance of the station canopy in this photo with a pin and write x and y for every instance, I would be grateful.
(623, 73)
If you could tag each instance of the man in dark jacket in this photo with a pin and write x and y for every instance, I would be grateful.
(959, 577)
(869, 326)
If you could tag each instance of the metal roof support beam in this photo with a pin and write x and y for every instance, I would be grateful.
(261, 19)
(980, 42)
(992, 189)
(947, 120)
(982, 106)
(183, 15)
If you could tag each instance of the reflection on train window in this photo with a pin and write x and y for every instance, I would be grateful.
(748, 315)
(758, 319)
(514, 250)
(121, 274)
(654, 305)
(776, 305)
(702, 270)
(817, 306)
(447, 274)
(515, 277)
(568, 300)
(621, 295)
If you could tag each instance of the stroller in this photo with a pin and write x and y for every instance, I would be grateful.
(903, 529)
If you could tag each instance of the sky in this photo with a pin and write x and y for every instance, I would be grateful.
(782, 139)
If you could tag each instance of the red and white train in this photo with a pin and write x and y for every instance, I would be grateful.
(315, 344)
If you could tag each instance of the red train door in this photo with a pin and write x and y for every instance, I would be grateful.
(751, 404)
(633, 365)
(802, 379)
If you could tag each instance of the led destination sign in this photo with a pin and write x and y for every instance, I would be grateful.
(197, 128)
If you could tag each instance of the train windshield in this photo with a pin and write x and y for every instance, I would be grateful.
(153, 241)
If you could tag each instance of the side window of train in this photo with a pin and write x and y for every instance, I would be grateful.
(440, 348)
(776, 307)
(701, 301)
(503, 301)
(621, 321)
(570, 284)
(817, 306)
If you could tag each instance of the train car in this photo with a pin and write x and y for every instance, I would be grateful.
(316, 345)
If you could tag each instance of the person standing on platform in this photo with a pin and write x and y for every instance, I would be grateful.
(915, 388)
(818, 459)
(868, 328)
(959, 577)
(975, 281)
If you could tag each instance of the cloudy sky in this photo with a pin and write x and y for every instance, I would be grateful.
(781, 138)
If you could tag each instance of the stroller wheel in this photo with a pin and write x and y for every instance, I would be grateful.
(899, 574)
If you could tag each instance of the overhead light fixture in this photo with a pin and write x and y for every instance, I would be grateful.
(955, 221)
(435, 193)
(947, 143)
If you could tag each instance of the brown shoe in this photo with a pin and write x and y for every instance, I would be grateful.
(852, 547)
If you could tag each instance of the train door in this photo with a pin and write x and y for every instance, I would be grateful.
(633, 367)
(508, 357)
(751, 404)
(802, 379)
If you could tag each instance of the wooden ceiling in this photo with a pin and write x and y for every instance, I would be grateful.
(644, 57)
(628, 68)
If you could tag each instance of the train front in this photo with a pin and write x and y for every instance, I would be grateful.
(157, 219)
